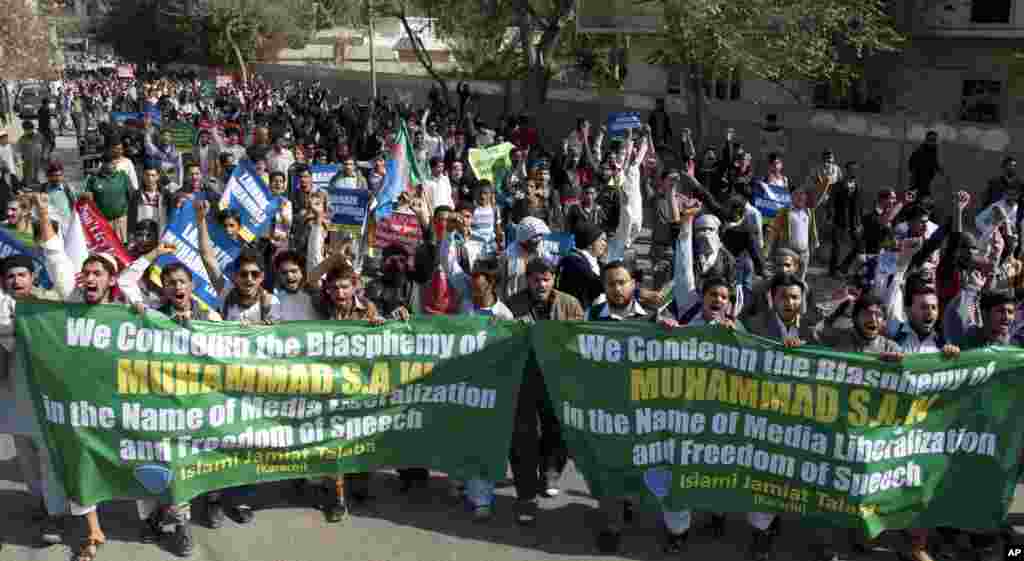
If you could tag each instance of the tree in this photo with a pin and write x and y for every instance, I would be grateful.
(540, 24)
(777, 40)
(240, 31)
(24, 43)
(169, 36)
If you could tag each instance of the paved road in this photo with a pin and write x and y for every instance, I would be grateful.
(421, 527)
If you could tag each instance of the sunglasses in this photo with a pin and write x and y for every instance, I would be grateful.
(250, 274)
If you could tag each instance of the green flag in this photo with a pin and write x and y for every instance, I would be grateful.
(491, 164)
(154, 409)
(709, 419)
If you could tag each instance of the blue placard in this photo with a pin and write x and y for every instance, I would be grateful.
(322, 174)
(348, 206)
(768, 198)
(120, 117)
(183, 234)
(619, 123)
(249, 195)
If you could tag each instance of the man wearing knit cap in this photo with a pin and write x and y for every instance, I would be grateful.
(528, 245)
(16, 415)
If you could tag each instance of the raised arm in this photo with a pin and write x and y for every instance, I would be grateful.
(58, 264)
(209, 257)
(130, 281)
(683, 281)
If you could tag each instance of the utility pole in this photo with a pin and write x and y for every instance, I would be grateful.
(373, 55)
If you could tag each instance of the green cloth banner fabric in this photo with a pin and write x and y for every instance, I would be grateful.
(491, 163)
(140, 407)
(714, 420)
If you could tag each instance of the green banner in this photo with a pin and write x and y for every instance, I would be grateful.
(183, 135)
(142, 407)
(491, 163)
(709, 419)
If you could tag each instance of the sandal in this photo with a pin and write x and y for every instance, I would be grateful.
(89, 549)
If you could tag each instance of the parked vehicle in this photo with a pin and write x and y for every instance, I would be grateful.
(28, 102)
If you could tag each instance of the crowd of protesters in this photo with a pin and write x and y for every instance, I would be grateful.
(918, 275)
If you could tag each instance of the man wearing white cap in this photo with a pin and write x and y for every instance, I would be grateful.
(530, 234)
(97, 285)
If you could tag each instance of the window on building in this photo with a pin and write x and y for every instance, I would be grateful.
(991, 11)
(981, 101)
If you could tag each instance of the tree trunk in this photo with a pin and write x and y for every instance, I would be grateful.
(238, 53)
(424, 57)
(535, 87)
(698, 105)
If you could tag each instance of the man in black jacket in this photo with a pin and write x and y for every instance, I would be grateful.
(846, 218)
(580, 273)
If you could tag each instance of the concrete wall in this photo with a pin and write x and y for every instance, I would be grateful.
(971, 153)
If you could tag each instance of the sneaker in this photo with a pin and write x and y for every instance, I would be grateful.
(526, 512)
(153, 528)
(182, 543)
(242, 514)
(608, 541)
(51, 530)
(335, 513)
(482, 513)
(215, 514)
(761, 547)
(674, 543)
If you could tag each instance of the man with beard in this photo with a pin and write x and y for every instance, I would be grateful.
(714, 305)
(17, 273)
(537, 463)
(786, 261)
(528, 246)
(96, 285)
(699, 254)
(290, 267)
(782, 322)
(393, 291)
(916, 334)
(588, 211)
(339, 302)
(618, 303)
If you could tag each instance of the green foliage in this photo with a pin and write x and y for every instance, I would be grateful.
(251, 24)
(777, 40)
(163, 42)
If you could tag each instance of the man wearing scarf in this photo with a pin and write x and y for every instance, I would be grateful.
(699, 254)
(531, 232)
(393, 292)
